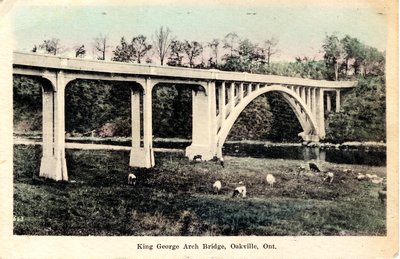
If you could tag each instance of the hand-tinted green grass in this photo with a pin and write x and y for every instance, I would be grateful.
(176, 198)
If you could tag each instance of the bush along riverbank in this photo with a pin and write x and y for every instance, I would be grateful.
(349, 145)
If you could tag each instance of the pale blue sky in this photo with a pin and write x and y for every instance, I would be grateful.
(299, 29)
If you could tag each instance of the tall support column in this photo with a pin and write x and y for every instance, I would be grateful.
(204, 124)
(241, 91)
(213, 110)
(303, 93)
(48, 161)
(249, 89)
(135, 118)
(48, 123)
(142, 156)
(314, 102)
(53, 164)
(297, 90)
(60, 126)
(222, 97)
(308, 99)
(320, 113)
(337, 100)
(147, 124)
(257, 86)
(232, 97)
(328, 102)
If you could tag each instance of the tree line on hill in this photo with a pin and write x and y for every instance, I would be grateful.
(91, 104)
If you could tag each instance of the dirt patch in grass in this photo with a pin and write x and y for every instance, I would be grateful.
(176, 197)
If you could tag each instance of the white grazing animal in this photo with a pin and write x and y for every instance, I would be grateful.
(239, 190)
(270, 180)
(377, 180)
(360, 177)
(131, 179)
(217, 186)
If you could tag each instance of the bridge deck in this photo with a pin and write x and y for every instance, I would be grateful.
(108, 68)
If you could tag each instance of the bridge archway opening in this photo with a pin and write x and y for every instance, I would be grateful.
(286, 125)
(28, 94)
(296, 105)
(273, 117)
(99, 108)
(330, 102)
(172, 110)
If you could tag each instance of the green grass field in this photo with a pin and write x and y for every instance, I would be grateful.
(176, 198)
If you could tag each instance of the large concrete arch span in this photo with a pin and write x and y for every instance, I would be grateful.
(218, 97)
(307, 122)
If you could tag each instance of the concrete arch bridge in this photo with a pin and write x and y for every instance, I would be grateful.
(218, 98)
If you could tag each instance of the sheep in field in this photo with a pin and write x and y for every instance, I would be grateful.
(198, 158)
(270, 180)
(360, 177)
(377, 180)
(239, 190)
(221, 162)
(131, 179)
(329, 177)
(217, 186)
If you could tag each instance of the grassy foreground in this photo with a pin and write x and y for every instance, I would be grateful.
(176, 198)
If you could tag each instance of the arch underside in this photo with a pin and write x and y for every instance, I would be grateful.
(302, 111)
(302, 117)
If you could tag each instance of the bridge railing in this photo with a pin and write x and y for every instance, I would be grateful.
(109, 67)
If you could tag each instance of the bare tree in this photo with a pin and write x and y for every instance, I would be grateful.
(140, 47)
(269, 49)
(100, 45)
(213, 45)
(162, 42)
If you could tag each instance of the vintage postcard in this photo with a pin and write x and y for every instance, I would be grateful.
(186, 129)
